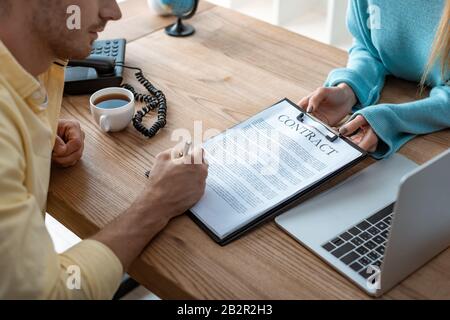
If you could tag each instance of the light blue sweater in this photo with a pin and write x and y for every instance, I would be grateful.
(398, 43)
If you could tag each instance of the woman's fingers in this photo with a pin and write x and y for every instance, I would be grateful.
(352, 126)
(316, 99)
(361, 133)
(305, 101)
(357, 137)
(369, 141)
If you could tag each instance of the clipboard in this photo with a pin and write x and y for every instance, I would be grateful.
(331, 136)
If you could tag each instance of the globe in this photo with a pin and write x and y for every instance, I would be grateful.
(182, 9)
(172, 7)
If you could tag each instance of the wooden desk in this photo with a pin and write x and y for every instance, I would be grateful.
(232, 68)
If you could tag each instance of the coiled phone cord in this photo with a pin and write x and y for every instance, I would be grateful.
(155, 100)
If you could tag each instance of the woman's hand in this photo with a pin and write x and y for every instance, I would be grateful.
(361, 133)
(330, 105)
(69, 144)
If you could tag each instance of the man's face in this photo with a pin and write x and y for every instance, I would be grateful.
(49, 23)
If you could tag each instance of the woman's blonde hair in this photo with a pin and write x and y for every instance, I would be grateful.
(441, 47)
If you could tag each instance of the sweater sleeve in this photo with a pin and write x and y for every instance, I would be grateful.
(365, 72)
(396, 124)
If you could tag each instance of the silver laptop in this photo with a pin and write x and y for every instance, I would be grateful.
(381, 224)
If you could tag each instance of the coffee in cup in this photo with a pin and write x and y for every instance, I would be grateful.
(112, 101)
(112, 108)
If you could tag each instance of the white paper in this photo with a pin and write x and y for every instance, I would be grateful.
(261, 163)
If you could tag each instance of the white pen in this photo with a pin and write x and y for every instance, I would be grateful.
(187, 147)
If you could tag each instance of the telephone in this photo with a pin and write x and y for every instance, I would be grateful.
(103, 68)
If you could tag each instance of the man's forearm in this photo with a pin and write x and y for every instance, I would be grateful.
(130, 233)
(173, 187)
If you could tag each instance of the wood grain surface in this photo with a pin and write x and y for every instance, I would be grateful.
(232, 68)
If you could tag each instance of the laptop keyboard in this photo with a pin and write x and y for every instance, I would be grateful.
(363, 245)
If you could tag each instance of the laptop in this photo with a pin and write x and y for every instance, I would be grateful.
(380, 225)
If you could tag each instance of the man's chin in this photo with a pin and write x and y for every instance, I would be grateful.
(76, 48)
(81, 52)
(79, 55)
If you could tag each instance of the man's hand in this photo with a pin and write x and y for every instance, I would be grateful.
(174, 186)
(330, 105)
(361, 133)
(69, 144)
(172, 189)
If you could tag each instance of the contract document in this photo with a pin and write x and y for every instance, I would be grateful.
(262, 164)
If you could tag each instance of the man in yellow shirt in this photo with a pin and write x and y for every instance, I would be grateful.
(34, 43)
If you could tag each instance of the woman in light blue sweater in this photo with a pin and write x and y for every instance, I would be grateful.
(409, 39)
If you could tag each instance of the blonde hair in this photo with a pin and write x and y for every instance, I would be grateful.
(441, 47)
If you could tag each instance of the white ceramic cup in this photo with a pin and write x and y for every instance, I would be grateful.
(114, 119)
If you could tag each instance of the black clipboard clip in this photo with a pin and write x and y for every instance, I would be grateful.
(330, 134)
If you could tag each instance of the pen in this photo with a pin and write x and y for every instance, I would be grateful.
(187, 146)
(184, 153)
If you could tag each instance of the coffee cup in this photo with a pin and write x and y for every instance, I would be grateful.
(112, 108)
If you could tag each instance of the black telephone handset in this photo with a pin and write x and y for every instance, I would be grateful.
(102, 69)
(103, 65)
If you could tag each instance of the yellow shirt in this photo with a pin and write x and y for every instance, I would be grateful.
(29, 266)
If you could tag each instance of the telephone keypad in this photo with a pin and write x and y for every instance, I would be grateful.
(112, 48)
